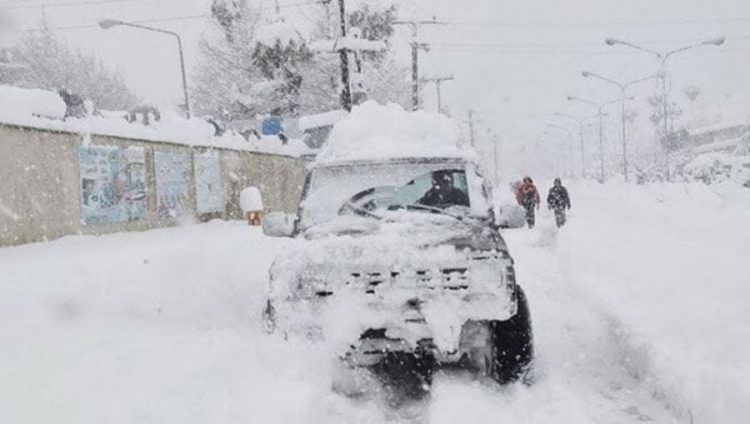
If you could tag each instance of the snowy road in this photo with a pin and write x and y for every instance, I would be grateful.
(635, 320)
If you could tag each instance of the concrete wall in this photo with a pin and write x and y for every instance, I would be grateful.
(40, 188)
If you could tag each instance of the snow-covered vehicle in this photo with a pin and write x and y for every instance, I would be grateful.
(400, 266)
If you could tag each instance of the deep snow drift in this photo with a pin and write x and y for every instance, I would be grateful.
(639, 307)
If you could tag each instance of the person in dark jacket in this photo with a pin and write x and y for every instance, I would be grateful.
(443, 193)
(528, 196)
(558, 200)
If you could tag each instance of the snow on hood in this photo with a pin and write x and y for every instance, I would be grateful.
(375, 131)
(399, 254)
(353, 244)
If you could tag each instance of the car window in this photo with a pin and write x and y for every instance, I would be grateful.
(442, 188)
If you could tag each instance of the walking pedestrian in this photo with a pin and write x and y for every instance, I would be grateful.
(558, 200)
(528, 197)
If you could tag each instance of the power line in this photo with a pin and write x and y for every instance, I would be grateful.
(573, 44)
(143, 21)
(561, 52)
(596, 24)
(69, 4)
(156, 20)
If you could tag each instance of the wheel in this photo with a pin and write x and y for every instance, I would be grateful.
(404, 376)
(512, 342)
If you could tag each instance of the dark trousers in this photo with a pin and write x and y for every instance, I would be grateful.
(560, 217)
(530, 218)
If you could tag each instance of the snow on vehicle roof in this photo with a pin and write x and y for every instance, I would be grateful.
(374, 131)
(320, 120)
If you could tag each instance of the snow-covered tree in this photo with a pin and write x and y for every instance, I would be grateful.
(51, 64)
(228, 14)
(255, 68)
(256, 64)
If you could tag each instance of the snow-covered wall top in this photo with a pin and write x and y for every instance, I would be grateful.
(374, 131)
(34, 108)
(19, 103)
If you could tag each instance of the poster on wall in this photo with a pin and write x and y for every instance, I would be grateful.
(208, 185)
(113, 184)
(171, 184)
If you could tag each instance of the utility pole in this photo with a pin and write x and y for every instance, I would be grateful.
(471, 127)
(346, 90)
(438, 81)
(600, 114)
(494, 149)
(415, 47)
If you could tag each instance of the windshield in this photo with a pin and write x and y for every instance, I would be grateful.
(374, 189)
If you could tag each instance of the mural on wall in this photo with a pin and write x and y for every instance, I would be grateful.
(208, 185)
(113, 184)
(171, 184)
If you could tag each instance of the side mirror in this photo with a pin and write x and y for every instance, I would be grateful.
(510, 216)
(278, 224)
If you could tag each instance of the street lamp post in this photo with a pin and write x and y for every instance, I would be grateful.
(599, 107)
(623, 87)
(663, 57)
(580, 121)
(570, 145)
(109, 23)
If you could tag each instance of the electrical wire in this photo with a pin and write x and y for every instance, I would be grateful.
(69, 4)
(598, 24)
(167, 19)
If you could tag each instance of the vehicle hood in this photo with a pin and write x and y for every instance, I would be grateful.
(366, 273)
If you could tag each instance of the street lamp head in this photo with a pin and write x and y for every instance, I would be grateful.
(109, 23)
(611, 41)
(586, 74)
(570, 98)
(716, 41)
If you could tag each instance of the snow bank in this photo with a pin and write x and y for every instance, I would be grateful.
(20, 103)
(374, 131)
(718, 167)
(669, 262)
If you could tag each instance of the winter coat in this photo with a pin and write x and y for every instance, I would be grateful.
(558, 198)
(442, 198)
(527, 195)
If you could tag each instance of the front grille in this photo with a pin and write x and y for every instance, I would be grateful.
(492, 266)
(449, 278)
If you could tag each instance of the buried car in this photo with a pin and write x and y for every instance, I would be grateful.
(401, 267)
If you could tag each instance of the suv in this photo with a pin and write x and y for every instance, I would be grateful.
(401, 267)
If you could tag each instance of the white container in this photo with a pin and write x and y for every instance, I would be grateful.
(251, 200)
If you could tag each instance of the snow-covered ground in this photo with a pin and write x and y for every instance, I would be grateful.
(640, 309)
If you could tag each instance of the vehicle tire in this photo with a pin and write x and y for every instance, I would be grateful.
(512, 342)
(404, 376)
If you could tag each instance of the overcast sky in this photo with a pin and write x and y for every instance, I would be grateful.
(514, 61)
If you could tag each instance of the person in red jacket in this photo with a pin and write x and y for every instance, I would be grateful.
(528, 196)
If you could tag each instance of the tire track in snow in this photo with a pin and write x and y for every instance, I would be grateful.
(611, 372)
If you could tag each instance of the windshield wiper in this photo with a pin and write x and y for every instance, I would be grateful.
(418, 206)
(361, 211)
